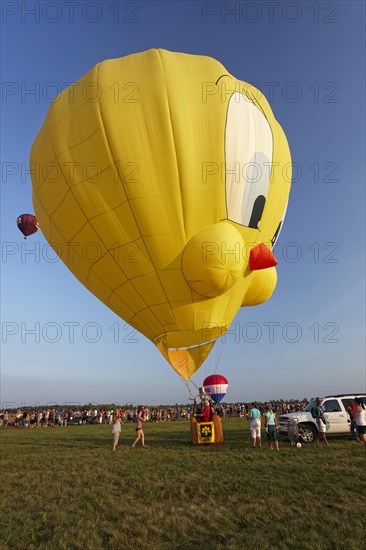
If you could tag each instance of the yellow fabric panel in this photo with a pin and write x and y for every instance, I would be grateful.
(202, 321)
(74, 223)
(121, 308)
(158, 219)
(42, 149)
(42, 217)
(59, 191)
(139, 145)
(175, 285)
(107, 264)
(102, 195)
(73, 253)
(149, 156)
(98, 287)
(150, 288)
(148, 317)
(134, 259)
(40, 169)
(130, 296)
(220, 305)
(163, 250)
(88, 244)
(141, 326)
(86, 160)
(185, 78)
(184, 315)
(165, 314)
(116, 227)
(71, 131)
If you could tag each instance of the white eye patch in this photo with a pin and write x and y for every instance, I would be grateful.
(248, 159)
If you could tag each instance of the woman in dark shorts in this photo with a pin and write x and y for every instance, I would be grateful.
(361, 420)
(141, 417)
(271, 427)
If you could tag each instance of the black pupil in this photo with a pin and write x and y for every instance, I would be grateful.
(257, 211)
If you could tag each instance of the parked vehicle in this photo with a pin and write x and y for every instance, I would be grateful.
(337, 418)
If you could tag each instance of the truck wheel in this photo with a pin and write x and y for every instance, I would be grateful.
(309, 434)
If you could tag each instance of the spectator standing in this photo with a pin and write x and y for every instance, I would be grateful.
(317, 412)
(271, 425)
(352, 411)
(141, 417)
(361, 420)
(254, 416)
(116, 428)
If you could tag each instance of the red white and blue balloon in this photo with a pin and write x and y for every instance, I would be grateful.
(216, 386)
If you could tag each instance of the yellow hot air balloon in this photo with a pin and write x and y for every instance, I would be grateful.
(162, 182)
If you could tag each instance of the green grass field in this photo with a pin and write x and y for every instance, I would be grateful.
(63, 488)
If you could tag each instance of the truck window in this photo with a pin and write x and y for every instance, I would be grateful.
(332, 405)
(348, 402)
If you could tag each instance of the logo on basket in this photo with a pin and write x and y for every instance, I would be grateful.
(205, 431)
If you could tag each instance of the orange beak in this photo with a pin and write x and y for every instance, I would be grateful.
(261, 257)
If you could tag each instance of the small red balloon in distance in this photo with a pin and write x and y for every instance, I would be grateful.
(261, 257)
(216, 386)
(27, 224)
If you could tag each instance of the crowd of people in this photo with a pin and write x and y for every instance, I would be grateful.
(257, 413)
(63, 416)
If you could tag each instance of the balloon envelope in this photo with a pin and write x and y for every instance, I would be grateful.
(158, 169)
(27, 224)
(216, 386)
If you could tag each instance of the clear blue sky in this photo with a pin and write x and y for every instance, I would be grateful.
(308, 58)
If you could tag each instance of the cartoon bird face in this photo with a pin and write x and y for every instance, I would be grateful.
(179, 175)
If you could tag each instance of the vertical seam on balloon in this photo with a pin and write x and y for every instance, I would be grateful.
(172, 129)
(176, 159)
(87, 222)
(103, 128)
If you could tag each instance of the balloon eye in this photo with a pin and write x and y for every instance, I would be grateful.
(248, 158)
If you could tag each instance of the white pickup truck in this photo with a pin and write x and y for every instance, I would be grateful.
(337, 418)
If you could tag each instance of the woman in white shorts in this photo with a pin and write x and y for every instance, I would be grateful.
(318, 414)
(255, 425)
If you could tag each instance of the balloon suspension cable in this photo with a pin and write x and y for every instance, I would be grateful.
(213, 361)
(186, 383)
(219, 348)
